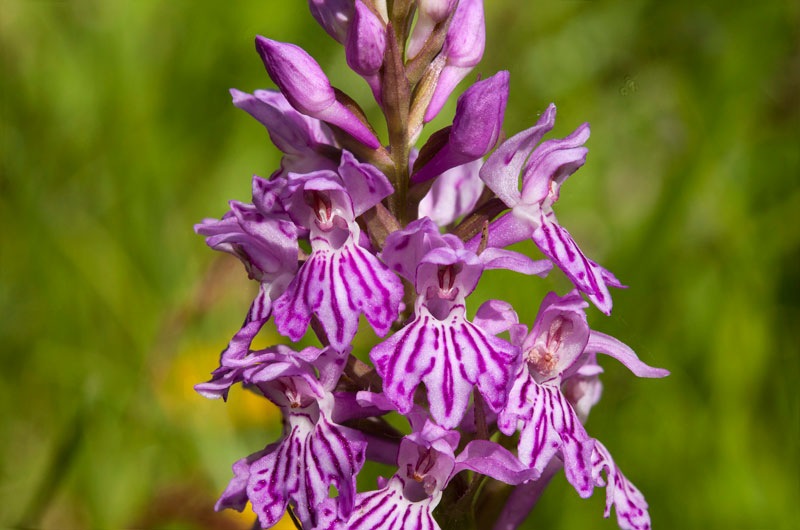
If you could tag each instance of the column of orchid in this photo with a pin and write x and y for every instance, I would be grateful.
(350, 226)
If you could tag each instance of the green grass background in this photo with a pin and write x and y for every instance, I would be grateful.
(117, 134)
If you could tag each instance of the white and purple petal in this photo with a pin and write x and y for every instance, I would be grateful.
(630, 504)
(502, 169)
(338, 286)
(291, 132)
(389, 509)
(301, 468)
(450, 356)
(592, 279)
(227, 374)
(495, 317)
(405, 248)
(548, 426)
(494, 460)
(498, 258)
(550, 164)
(366, 185)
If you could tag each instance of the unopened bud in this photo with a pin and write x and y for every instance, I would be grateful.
(306, 87)
(333, 15)
(463, 47)
(476, 127)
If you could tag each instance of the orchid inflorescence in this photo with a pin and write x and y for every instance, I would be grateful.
(349, 227)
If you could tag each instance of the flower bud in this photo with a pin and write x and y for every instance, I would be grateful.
(366, 41)
(333, 15)
(463, 47)
(476, 127)
(297, 74)
(306, 87)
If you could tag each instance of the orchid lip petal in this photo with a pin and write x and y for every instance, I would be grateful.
(549, 427)
(450, 357)
(338, 286)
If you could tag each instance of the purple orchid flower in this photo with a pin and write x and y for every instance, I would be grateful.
(327, 242)
(313, 453)
(301, 79)
(544, 169)
(440, 347)
(307, 143)
(553, 351)
(476, 127)
(426, 463)
(341, 279)
(265, 240)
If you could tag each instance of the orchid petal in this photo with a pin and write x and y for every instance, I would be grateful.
(301, 79)
(551, 163)
(495, 316)
(630, 503)
(496, 258)
(549, 426)
(454, 193)
(476, 127)
(450, 357)
(335, 16)
(493, 460)
(405, 248)
(338, 286)
(366, 185)
(301, 467)
(366, 41)
(557, 244)
(602, 343)
(502, 169)
(463, 48)
(389, 509)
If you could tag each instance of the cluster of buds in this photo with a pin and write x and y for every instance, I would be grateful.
(348, 226)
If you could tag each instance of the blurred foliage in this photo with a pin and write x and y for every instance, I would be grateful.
(117, 134)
